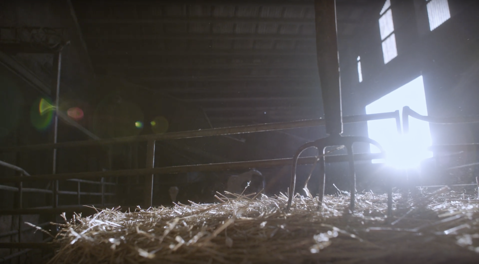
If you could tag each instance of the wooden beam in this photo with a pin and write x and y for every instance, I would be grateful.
(227, 108)
(179, 89)
(299, 3)
(203, 37)
(206, 20)
(202, 52)
(267, 3)
(258, 119)
(250, 99)
(254, 104)
(161, 79)
(210, 66)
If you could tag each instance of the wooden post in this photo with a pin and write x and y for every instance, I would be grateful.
(149, 179)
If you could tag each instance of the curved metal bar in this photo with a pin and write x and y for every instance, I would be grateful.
(13, 167)
(292, 183)
(406, 112)
(352, 176)
(335, 140)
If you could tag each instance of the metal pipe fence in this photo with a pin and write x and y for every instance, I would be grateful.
(98, 177)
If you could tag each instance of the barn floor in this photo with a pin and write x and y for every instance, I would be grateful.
(429, 226)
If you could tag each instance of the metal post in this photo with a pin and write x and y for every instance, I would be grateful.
(477, 182)
(102, 191)
(20, 206)
(78, 192)
(149, 180)
(352, 177)
(322, 179)
(57, 65)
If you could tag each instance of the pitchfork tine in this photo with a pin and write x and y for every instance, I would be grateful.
(328, 68)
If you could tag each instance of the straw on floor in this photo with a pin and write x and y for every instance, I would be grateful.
(427, 227)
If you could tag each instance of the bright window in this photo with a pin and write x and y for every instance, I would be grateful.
(360, 71)
(389, 49)
(438, 13)
(386, 28)
(403, 151)
(386, 24)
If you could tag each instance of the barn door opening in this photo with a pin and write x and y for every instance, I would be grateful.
(403, 151)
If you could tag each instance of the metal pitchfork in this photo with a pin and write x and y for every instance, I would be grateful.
(328, 66)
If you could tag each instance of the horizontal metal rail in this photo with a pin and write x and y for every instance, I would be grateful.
(464, 166)
(13, 167)
(451, 185)
(203, 133)
(15, 232)
(57, 210)
(16, 189)
(408, 112)
(192, 168)
(85, 193)
(92, 182)
(455, 147)
(441, 120)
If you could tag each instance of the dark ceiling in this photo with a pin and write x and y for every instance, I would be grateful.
(243, 62)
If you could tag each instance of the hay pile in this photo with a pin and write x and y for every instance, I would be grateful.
(438, 227)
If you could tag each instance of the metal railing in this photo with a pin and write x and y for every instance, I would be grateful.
(408, 112)
(150, 170)
(445, 148)
(19, 209)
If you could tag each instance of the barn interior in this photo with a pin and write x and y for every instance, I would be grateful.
(155, 103)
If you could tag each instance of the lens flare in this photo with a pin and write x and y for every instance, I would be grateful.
(45, 106)
(75, 113)
(116, 117)
(41, 114)
(159, 125)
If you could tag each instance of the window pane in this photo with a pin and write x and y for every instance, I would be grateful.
(438, 13)
(386, 5)
(386, 24)
(389, 49)
(360, 72)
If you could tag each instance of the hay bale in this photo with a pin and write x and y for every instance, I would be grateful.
(433, 228)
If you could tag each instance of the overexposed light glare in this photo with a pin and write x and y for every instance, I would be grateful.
(437, 13)
(403, 151)
(360, 71)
